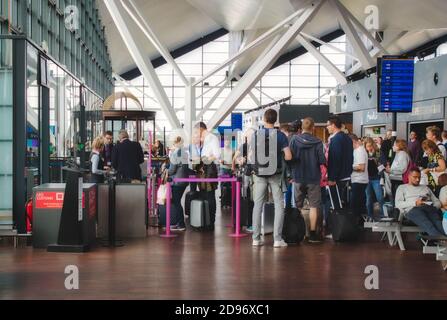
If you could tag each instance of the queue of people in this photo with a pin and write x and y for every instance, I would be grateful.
(363, 171)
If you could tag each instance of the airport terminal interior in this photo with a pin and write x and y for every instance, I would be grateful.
(223, 149)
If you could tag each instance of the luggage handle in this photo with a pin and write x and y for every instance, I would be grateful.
(330, 197)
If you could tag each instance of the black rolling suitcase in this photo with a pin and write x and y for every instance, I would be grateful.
(162, 215)
(294, 228)
(246, 213)
(342, 222)
(225, 197)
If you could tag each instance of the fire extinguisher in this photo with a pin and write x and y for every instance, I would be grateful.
(29, 216)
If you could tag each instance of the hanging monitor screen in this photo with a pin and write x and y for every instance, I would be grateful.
(395, 84)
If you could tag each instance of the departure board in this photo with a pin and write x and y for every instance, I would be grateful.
(395, 84)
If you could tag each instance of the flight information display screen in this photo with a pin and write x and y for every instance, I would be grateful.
(395, 84)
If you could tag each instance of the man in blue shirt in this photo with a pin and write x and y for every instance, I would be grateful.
(267, 159)
(340, 158)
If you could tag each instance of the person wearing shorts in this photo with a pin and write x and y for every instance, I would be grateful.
(307, 157)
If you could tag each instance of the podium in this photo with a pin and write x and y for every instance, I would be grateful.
(76, 226)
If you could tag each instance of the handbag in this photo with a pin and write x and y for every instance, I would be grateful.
(162, 190)
(161, 194)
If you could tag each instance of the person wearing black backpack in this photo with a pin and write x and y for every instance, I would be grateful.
(268, 147)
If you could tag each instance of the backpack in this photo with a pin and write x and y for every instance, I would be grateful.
(411, 166)
(260, 168)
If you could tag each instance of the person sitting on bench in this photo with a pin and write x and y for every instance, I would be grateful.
(420, 205)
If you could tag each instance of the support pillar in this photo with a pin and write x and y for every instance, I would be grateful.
(190, 108)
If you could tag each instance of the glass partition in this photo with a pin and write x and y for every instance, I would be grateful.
(33, 115)
(6, 133)
(65, 117)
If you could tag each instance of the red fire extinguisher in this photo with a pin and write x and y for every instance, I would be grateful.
(29, 216)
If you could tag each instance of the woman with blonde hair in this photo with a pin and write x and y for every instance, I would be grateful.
(374, 187)
(399, 166)
(96, 161)
(178, 168)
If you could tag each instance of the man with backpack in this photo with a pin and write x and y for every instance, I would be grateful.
(308, 155)
(269, 146)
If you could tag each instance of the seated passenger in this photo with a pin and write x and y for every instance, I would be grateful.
(419, 204)
(442, 181)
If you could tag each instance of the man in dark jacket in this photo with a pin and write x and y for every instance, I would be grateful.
(308, 155)
(108, 148)
(340, 158)
(126, 159)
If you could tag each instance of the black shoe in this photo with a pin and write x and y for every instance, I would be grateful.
(432, 243)
(314, 238)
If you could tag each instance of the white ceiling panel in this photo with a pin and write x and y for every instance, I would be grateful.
(179, 22)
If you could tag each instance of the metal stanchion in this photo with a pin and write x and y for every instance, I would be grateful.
(238, 233)
(233, 185)
(111, 241)
(168, 233)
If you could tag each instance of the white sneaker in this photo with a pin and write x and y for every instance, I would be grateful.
(329, 236)
(279, 244)
(257, 243)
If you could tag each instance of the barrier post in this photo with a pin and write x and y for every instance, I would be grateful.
(232, 206)
(238, 233)
(149, 176)
(168, 233)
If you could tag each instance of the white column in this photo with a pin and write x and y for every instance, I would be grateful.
(190, 108)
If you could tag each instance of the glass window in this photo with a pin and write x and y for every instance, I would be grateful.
(6, 133)
(275, 81)
(306, 81)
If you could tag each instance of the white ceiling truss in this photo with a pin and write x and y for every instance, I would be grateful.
(274, 42)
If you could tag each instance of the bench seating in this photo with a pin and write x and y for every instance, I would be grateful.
(393, 228)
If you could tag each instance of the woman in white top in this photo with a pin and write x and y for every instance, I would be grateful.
(399, 165)
(359, 177)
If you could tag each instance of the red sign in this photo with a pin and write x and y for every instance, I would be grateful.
(52, 200)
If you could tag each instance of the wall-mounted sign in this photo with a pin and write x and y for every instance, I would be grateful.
(395, 84)
(52, 200)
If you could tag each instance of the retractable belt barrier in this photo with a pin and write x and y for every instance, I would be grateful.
(235, 181)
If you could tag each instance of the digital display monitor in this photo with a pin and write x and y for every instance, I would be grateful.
(395, 77)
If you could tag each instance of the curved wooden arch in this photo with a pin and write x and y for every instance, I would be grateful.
(110, 101)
